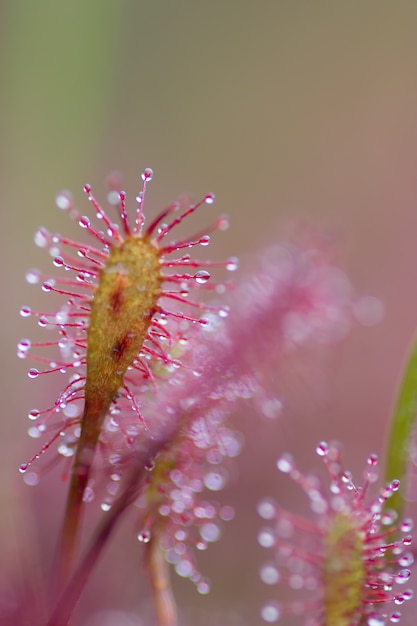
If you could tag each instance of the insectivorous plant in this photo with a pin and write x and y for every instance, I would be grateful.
(115, 323)
(154, 374)
(349, 562)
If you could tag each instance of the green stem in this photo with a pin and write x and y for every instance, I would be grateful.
(401, 430)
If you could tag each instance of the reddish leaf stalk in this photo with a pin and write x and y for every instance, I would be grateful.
(68, 543)
(68, 599)
(158, 570)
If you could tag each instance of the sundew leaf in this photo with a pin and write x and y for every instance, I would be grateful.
(402, 424)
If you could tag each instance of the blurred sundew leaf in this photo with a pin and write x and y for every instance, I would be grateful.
(402, 424)
(60, 62)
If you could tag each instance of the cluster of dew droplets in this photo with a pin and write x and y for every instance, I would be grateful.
(383, 537)
(80, 266)
(184, 520)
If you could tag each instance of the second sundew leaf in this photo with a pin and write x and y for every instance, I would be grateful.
(401, 430)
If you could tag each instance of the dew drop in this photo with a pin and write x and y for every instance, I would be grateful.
(266, 509)
(266, 538)
(84, 222)
(184, 569)
(214, 481)
(66, 451)
(271, 407)
(61, 317)
(406, 525)
(25, 311)
(58, 261)
(210, 532)
(34, 414)
(406, 560)
(147, 174)
(24, 345)
(47, 286)
(33, 373)
(149, 465)
(54, 251)
(285, 464)
(269, 574)
(34, 432)
(144, 536)
(31, 479)
(322, 448)
(33, 277)
(72, 410)
(227, 513)
(23, 468)
(41, 238)
(205, 240)
(232, 264)
(335, 488)
(402, 576)
(387, 518)
(201, 277)
(224, 311)
(203, 587)
(88, 495)
(270, 612)
(223, 222)
(164, 510)
(63, 200)
(210, 198)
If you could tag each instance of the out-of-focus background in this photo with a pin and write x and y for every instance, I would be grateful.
(286, 110)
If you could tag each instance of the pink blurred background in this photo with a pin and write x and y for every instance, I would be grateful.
(286, 110)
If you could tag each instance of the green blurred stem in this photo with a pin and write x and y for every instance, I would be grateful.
(401, 430)
(158, 569)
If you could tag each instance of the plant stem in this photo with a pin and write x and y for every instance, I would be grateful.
(165, 606)
(67, 546)
(69, 598)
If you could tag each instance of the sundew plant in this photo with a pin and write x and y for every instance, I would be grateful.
(156, 348)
